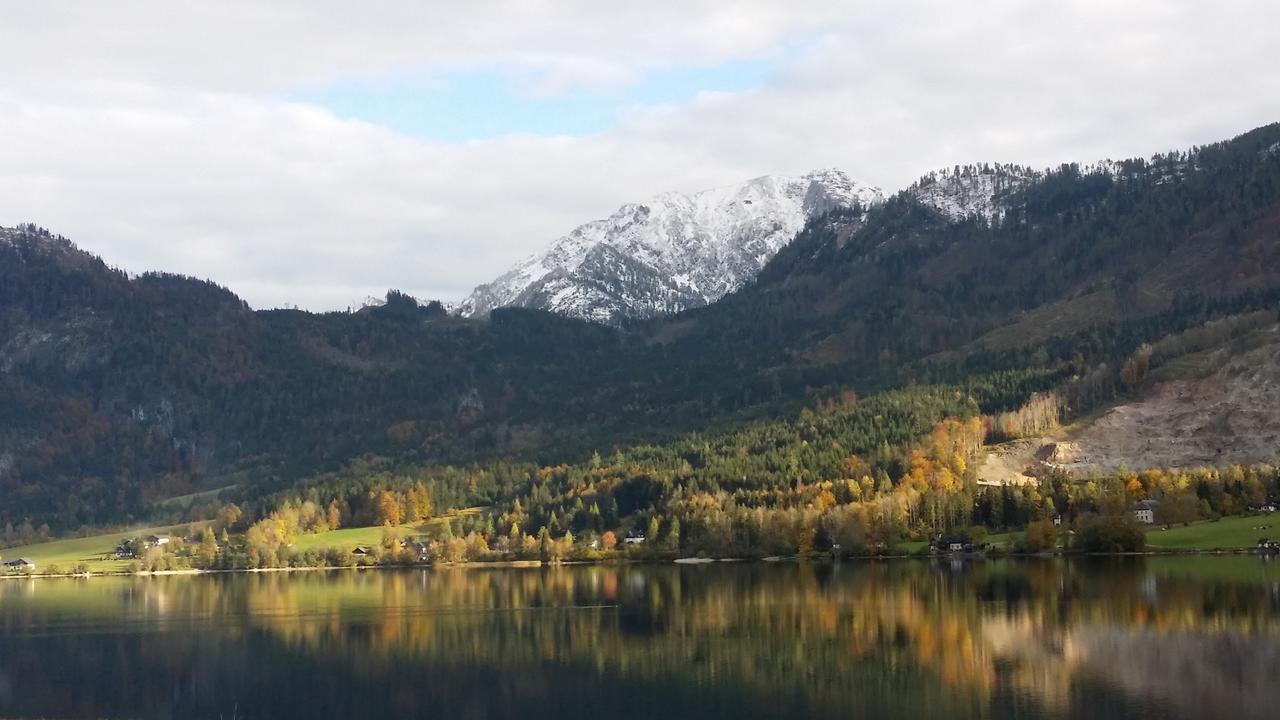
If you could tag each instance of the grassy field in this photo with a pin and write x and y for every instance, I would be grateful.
(67, 554)
(1233, 533)
(1226, 534)
(96, 551)
(349, 538)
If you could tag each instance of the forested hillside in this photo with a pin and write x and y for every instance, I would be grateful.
(119, 391)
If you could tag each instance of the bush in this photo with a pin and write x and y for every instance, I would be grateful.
(1111, 534)
(338, 557)
(1041, 536)
(977, 535)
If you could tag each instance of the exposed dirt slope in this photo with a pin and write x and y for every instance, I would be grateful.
(1229, 415)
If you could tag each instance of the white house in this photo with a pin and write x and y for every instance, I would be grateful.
(1145, 511)
(20, 565)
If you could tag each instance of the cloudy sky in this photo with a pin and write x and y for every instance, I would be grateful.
(314, 153)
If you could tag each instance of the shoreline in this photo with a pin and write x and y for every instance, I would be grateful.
(682, 561)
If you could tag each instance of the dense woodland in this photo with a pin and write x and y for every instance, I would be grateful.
(840, 396)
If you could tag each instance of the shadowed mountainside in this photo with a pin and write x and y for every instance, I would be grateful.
(118, 390)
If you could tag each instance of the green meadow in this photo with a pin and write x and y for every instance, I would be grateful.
(95, 551)
(1231, 533)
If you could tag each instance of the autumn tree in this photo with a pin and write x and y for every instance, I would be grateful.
(207, 551)
(1041, 536)
(333, 515)
(418, 499)
(387, 508)
(546, 547)
(228, 517)
(672, 540)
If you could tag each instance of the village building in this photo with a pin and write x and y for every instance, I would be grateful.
(421, 549)
(20, 565)
(124, 550)
(951, 544)
(1145, 511)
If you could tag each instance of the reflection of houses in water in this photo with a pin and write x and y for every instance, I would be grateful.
(156, 597)
(17, 588)
(635, 582)
(1149, 586)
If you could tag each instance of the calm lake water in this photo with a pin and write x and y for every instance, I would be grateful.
(1155, 638)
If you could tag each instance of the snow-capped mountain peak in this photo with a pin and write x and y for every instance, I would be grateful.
(672, 252)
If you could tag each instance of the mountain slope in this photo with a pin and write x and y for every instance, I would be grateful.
(675, 251)
(982, 191)
(118, 390)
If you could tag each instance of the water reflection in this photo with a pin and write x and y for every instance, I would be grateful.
(1162, 638)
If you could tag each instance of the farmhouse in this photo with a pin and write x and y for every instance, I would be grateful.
(20, 565)
(124, 550)
(158, 540)
(951, 544)
(420, 548)
(1145, 511)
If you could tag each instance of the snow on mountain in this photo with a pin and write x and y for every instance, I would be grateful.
(982, 190)
(672, 252)
(31, 239)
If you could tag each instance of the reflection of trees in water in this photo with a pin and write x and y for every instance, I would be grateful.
(779, 626)
(903, 637)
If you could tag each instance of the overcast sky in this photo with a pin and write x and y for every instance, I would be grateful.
(314, 153)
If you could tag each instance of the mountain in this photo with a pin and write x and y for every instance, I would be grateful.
(673, 252)
(985, 191)
(118, 391)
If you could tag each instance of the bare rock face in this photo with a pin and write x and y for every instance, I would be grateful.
(1059, 453)
(670, 253)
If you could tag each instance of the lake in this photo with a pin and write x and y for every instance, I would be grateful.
(1187, 637)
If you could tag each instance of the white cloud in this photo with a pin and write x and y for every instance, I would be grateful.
(153, 133)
